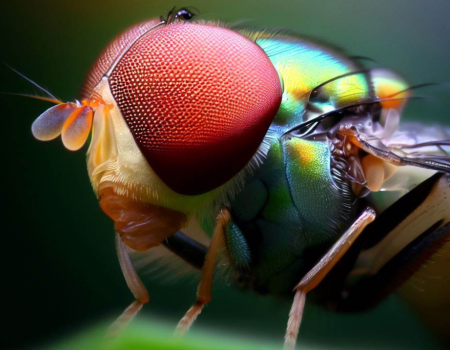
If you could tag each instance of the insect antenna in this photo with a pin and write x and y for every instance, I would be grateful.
(41, 98)
(45, 91)
(420, 86)
(315, 91)
(310, 125)
(363, 58)
(361, 71)
(170, 16)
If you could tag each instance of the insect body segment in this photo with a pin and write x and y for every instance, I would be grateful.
(390, 87)
(140, 226)
(302, 197)
(303, 65)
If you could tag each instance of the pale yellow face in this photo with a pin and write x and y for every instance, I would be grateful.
(115, 160)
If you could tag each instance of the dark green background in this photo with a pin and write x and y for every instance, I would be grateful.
(58, 266)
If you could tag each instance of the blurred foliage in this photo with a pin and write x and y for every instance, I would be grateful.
(152, 335)
(59, 271)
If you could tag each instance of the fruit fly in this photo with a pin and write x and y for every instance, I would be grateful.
(288, 154)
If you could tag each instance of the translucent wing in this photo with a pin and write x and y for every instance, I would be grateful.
(370, 160)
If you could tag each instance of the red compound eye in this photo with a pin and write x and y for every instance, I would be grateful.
(112, 52)
(198, 100)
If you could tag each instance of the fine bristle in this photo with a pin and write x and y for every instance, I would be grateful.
(45, 91)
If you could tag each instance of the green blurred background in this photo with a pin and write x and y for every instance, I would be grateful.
(61, 282)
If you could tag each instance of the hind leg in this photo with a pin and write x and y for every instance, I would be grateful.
(320, 271)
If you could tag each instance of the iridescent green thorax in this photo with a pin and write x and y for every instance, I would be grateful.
(296, 205)
(303, 65)
(315, 193)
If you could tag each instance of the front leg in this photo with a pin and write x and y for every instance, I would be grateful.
(204, 289)
(136, 286)
(312, 279)
(139, 226)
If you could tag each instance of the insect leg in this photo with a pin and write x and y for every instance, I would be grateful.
(319, 272)
(204, 288)
(407, 234)
(369, 291)
(187, 248)
(139, 226)
(136, 286)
